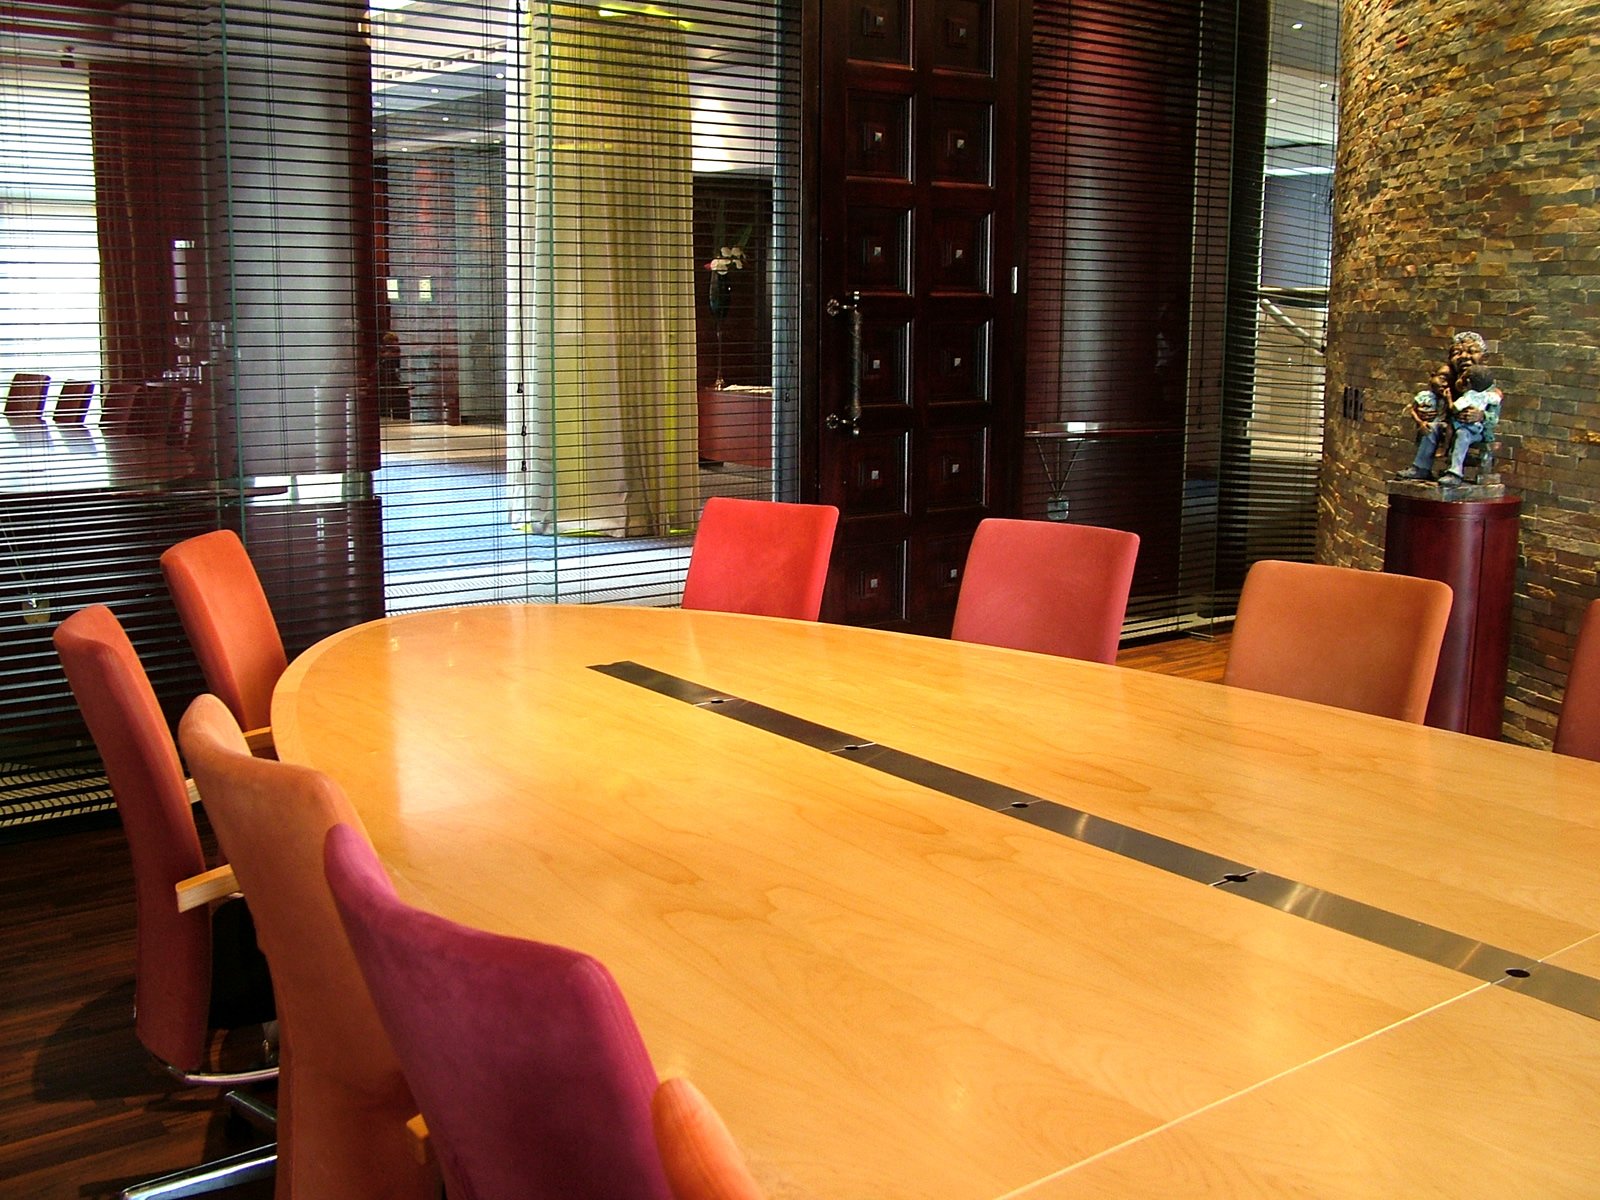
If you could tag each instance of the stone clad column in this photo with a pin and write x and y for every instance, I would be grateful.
(1465, 199)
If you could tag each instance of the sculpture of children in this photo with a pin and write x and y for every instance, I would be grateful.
(1469, 419)
(1468, 414)
(1428, 405)
(1473, 416)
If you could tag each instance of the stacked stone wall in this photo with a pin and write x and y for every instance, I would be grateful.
(1465, 198)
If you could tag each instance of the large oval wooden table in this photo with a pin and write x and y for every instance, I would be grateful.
(924, 919)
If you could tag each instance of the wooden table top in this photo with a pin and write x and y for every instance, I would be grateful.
(890, 990)
(39, 456)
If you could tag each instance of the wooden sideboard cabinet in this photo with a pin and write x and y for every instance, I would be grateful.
(736, 425)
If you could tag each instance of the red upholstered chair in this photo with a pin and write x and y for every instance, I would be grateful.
(178, 997)
(1361, 640)
(25, 397)
(72, 404)
(761, 557)
(1046, 586)
(524, 1058)
(230, 625)
(342, 1101)
(1578, 730)
(701, 1159)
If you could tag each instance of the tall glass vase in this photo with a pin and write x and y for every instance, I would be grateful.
(719, 297)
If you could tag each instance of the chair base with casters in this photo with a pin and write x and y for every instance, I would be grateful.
(236, 1169)
(259, 1162)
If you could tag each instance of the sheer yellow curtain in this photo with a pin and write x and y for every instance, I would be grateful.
(607, 316)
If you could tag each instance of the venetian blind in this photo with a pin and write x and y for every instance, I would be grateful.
(1282, 415)
(1145, 406)
(335, 310)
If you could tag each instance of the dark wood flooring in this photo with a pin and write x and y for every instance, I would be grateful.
(84, 1110)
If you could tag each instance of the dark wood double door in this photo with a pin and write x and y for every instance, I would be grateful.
(917, 420)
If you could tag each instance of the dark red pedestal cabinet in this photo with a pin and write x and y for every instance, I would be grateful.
(1472, 546)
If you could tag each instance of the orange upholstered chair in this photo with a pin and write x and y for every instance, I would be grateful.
(229, 623)
(1046, 586)
(342, 1101)
(1361, 640)
(1578, 730)
(25, 397)
(527, 1064)
(761, 557)
(182, 990)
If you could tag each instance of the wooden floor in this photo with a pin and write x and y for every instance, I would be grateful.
(84, 1111)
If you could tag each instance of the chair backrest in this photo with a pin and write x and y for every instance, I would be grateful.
(172, 969)
(1362, 640)
(25, 397)
(1578, 730)
(342, 1101)
(761, 557)
(701, 1159)
(229, 622)
(523, 1057)
(72, 403)
(1047, 586)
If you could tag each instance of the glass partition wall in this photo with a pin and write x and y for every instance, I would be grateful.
(425, 299)
(1180, 200)
(557, 185)
(465, 301)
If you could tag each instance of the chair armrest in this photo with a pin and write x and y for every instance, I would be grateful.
(260, 742)
(214, 884)
(417, 1131)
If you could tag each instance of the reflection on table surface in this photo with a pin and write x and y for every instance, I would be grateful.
(893, 991)
(41, 456)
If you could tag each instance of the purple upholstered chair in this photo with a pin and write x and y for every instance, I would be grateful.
(523, 1058)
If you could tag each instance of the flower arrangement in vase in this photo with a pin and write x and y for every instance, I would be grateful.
(720, 295)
